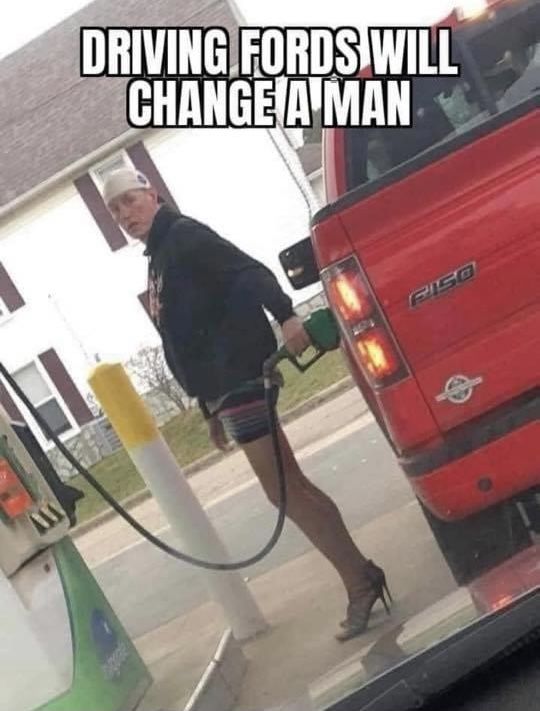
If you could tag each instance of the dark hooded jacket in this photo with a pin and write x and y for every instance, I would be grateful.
(206, 299)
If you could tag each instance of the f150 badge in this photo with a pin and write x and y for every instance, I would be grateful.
(459, 389)
(443, 284)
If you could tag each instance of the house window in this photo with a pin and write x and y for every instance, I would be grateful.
(40, 395)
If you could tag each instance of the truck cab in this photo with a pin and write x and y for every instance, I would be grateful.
(429, 253)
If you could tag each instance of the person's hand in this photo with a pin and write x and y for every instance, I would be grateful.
(295, 337)
(217, 434)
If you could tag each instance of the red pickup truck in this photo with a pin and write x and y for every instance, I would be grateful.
(429, 253)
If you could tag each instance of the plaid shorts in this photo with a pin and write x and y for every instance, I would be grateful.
(243, 412)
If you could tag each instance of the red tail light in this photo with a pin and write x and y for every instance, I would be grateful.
(362, 322)
(377, 353)
(350, 296)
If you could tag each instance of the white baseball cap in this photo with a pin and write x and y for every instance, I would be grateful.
(122, 180)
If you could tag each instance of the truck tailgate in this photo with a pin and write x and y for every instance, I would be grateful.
(463, 236)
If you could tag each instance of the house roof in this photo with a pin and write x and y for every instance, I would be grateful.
(310, 155)
(50, 117)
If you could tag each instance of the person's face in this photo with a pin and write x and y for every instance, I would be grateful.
(134, 211)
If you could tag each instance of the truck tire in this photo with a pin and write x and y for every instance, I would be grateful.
(479, 542)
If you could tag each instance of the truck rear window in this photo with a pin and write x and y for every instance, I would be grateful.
(500, 67)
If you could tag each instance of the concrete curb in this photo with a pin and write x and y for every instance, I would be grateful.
(324, 396)
(220, 685)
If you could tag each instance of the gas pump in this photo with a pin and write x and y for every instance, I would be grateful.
(62, 648)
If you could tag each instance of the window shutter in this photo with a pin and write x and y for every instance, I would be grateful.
(142, 160)
(66, 387)
(94, 202)
(9, 292)
(9, 405)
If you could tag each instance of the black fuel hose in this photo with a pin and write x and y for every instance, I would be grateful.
(145, 533)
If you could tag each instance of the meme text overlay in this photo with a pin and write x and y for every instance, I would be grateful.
(182, 77)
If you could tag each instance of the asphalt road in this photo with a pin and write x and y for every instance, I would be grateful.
(148, 588)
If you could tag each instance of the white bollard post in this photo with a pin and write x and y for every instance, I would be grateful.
(139, 434)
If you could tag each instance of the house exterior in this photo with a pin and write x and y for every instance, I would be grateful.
(72, 284)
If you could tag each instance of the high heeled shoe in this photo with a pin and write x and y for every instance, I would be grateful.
(377, 577)
(359, 609)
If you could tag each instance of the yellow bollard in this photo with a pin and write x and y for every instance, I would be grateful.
(137, 430)
(126, 410)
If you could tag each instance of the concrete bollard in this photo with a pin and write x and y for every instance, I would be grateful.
(155, 462)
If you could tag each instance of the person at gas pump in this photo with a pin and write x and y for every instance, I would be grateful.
(206, 300)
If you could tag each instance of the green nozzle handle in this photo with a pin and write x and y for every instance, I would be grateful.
(323, 331)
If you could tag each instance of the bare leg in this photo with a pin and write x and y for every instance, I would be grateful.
(311, 510)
